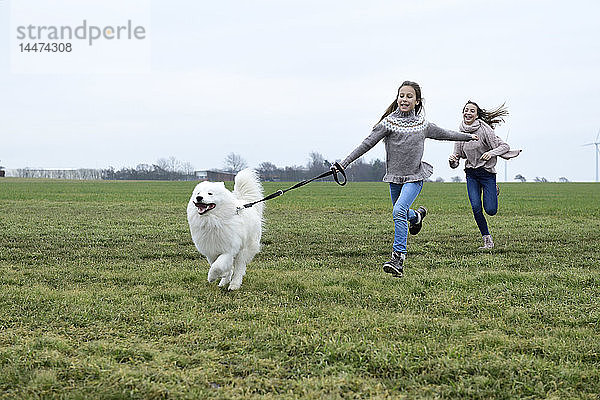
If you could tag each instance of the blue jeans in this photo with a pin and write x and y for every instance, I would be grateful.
(478, 181)
(402, 197)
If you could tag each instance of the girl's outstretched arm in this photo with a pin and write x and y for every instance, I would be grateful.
(435, 132)
(378, 133)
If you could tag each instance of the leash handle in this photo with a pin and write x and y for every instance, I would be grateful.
(338, 168)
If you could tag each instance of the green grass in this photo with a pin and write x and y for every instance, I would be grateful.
(103, 295)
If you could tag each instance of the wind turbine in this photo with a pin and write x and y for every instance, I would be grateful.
(595, 143)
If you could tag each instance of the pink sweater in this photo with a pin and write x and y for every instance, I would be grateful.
(473, 150)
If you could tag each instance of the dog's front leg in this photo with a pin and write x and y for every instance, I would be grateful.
(239, 270)
(221, 267)
(225, 279)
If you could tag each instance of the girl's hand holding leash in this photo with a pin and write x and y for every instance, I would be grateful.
(453, 158)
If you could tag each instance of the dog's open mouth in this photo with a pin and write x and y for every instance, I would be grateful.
(204, 207)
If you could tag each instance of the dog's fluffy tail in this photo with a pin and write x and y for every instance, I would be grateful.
(247, 187)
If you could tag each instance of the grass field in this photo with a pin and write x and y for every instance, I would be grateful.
(103, 295)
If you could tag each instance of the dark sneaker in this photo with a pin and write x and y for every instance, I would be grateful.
(395, 265)
(416, 228)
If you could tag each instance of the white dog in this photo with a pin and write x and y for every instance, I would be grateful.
(229, 238)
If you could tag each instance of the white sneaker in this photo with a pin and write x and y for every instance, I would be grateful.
(488, 243)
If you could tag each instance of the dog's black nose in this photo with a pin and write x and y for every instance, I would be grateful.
(198, 199)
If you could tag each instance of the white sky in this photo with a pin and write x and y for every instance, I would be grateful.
(276, 80)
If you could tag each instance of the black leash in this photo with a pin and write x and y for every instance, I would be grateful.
(337, 168)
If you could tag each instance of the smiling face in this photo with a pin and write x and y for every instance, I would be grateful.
(407, 99)
(207, 195)
(469, 113)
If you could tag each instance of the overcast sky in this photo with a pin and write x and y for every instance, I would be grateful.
(275, 80)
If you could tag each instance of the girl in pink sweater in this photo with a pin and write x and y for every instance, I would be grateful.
(480, 161)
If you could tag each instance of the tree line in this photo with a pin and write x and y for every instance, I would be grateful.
(317, 164)
(171, 169)
(165, 169)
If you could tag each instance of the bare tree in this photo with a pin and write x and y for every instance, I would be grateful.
(377, 169)
(267, 167)
(168, 164)
(359, 170)
(187, 168)
(521, 178)
(144, 168)
(316, 163)
(456, 178)
(561, 179)
(234, 163)
(268, 171)
(540, 179)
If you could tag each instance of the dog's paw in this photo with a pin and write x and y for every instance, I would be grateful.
(214, 274)
(234, 286)
(224, 281)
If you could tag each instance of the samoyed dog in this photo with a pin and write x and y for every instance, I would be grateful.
(227, 236)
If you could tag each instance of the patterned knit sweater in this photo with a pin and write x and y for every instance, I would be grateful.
(404, 136)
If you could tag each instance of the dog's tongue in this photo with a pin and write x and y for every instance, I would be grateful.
(202, 207)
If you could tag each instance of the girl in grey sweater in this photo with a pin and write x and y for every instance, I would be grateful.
(480, 161)
(403, 128)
